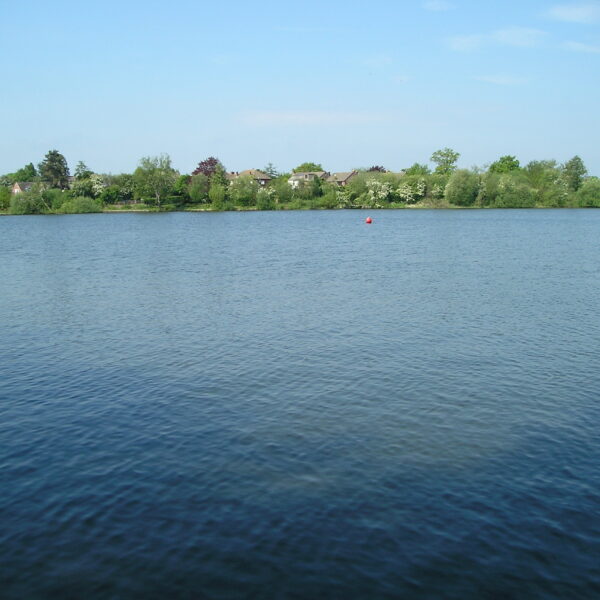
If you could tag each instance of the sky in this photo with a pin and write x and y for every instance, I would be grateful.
(346, 84)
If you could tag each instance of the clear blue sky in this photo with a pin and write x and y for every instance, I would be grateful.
(345, 83)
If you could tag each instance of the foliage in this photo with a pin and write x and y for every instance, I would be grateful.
(376, 169)
(308, 167)
(125, 184)
(266, 199)
(445, 160)
(417, 169)
(198, 188)
(82, 187)
(110, 195)
(243, 191)
(81, 204)
(574, 172)
(4, 197)
(217, 194)
(82, 171)
(155, 177)
(513, 193)
(181, 189)
(378, 192)
(505, 164)
(588, 194)
(271, 171)
(26, 173)
(54, 170)
(462, 188)
(208, 167)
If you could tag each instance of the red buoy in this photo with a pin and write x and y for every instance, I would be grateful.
(368, 220)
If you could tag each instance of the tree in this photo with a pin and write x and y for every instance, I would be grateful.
(462, 188)
(417, 169)
(217, 194)
(243, 191)
(26, 173)
(505, 164)
(82, 171)
(4, 197)
(445, 160)
(308, 167)
(589, 193)
(155, 176)
(271, 171)
(54, 170)
(377, 169)
(208, 167)
(574, 171)
(181, 188)
(198, 188)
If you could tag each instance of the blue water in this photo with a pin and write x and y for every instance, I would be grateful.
(299, 405)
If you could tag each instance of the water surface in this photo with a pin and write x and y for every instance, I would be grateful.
(298, 405)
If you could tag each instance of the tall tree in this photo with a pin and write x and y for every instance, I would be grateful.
(271, 171)
(445, 160)
(505, 164)
(417, 169)
(82, 171)
(155, 176)
(208, 167)
(377, 169)
(574, 171)
(54, 170)
(308, 167)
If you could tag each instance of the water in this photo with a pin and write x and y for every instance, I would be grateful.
(298, 405)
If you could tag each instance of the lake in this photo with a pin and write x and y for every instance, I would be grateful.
(300, 405)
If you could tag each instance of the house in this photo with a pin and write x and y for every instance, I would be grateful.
(261, 178)
(258, 176)
(21, 186)
(341, 179)
(298, 179)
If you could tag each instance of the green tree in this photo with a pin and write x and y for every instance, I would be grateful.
(82, 187)
(198, 188)
(181, 188)
(82, 171)
(505, 164)
(574, 172)
(308, 167)
(417, 169)
(271, 171)
(243, 191)
(4, 197)
(54, 170)
(512, 192)
(217, 195)
(462, 188)
(445, 160)
(26, 173)
(588, 194)
(155, 177)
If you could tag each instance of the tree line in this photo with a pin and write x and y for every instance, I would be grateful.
(156, 185)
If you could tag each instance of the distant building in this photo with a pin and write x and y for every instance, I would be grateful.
(298, 179)
(341, 179)
(261, 178)
(21, 186)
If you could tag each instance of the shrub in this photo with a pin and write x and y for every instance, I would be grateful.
(81, 204)
(462, 188)
(589, 193)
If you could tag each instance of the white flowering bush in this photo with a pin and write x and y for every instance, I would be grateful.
(378, 192)
(97, 184)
